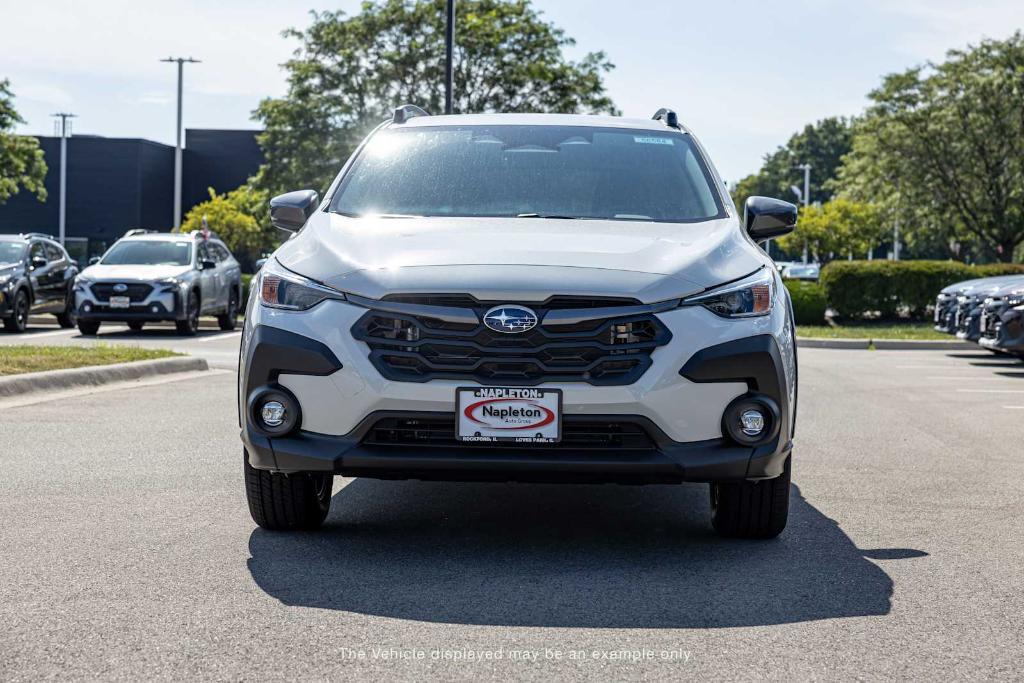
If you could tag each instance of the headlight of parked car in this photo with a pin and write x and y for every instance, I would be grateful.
(281, 288)
(751, 296)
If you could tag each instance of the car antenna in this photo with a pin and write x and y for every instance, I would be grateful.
(668, 116)
(408, 111)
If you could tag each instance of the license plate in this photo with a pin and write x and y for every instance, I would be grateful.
(503, 415)
(119, 302)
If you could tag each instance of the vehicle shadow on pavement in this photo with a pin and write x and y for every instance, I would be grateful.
(579, 556)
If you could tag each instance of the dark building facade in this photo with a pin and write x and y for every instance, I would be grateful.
(116, 184)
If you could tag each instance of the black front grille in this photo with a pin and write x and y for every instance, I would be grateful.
(419, 348)
(136, 291)
(577, 434)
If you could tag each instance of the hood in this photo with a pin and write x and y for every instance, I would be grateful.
(133, 272)
(492, 258)
(7, 268)
(1009, 287)
(985, 286)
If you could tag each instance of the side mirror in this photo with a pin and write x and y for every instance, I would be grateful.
(290, 211)
(207, 265)
(766, 218)
(38, 262)
(94, 260)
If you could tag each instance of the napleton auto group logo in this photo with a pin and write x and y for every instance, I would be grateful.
(510, 319)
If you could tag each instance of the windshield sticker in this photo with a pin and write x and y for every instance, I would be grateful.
(653, 140)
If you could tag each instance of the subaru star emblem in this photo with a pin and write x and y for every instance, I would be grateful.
(120, 287)
(510, 319)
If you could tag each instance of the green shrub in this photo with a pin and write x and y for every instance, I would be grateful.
(809, 302)
(246, 281)
(857, 288)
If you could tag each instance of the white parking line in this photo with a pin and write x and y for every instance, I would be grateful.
(215, 337)
(990, 391)
(1014, 407)
(39, 335)
(976, 379)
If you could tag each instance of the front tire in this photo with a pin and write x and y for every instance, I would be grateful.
(18, 320)
(229, 319)
(68, 318)
(135, 325)
(88, 327)
(752, 509)
(190, 325)
(287, 502)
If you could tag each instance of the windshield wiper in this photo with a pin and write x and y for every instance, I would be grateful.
(549, 215)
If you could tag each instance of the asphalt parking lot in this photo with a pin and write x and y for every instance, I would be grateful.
(128, 551)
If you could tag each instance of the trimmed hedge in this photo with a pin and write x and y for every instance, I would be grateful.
(888, 288)
(809, 301)
(246, 281)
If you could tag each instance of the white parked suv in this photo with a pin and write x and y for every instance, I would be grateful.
(152, 276)
(522, 298)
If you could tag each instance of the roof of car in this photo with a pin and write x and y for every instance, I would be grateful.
(535, 120)
(160, 236)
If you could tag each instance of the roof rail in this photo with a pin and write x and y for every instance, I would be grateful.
(668, 116)
(408, 111)
(138, 231)
(38, 234)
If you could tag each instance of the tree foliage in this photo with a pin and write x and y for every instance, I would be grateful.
(942, 148)
(836, 229)
(349, 72)
(822, 145)
(236, 217)
(21, 161)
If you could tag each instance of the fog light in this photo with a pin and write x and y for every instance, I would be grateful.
(154, 308)
(751, 421)
(87, 307)
(273, 413)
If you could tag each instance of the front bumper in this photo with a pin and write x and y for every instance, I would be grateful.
(159, 305)
(678, 403)
(1006, 330)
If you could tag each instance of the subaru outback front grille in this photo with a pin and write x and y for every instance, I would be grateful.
(604, 345)
(136, 291)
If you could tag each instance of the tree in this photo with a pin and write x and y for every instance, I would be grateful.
(350, 72)
(821, 144)
(836, 229)
(233, 216)
(942, 149)
(21, 161)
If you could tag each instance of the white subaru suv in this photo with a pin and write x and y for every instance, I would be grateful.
(522, 297)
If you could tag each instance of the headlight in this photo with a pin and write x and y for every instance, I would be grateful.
(281, 288)
(751, 296)
(4, 279)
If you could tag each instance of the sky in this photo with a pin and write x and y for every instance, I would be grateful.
(744, 75)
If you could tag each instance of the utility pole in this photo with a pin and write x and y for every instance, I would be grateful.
(449, 43)
(181, 61)
(65, 131)
(806, 196)
(896, 227)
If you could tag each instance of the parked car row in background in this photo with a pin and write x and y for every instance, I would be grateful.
(988, 311)
(144, 277)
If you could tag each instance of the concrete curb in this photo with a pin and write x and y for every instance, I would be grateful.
(95, 375)
(886, 344)
(49, 321)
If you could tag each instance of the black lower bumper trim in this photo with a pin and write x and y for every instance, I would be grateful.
(669, 462)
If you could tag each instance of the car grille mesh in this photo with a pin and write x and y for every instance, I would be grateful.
(418, 348)
(136, 291)
(577, 434)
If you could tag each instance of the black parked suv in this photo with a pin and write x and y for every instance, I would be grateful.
(36, 276)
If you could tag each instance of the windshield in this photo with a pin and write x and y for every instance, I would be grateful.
(535, 171)
(11, 252)
(149, 253)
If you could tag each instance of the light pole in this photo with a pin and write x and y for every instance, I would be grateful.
(63, 212)
(806, 196)
(449, 43)
(181, 61)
